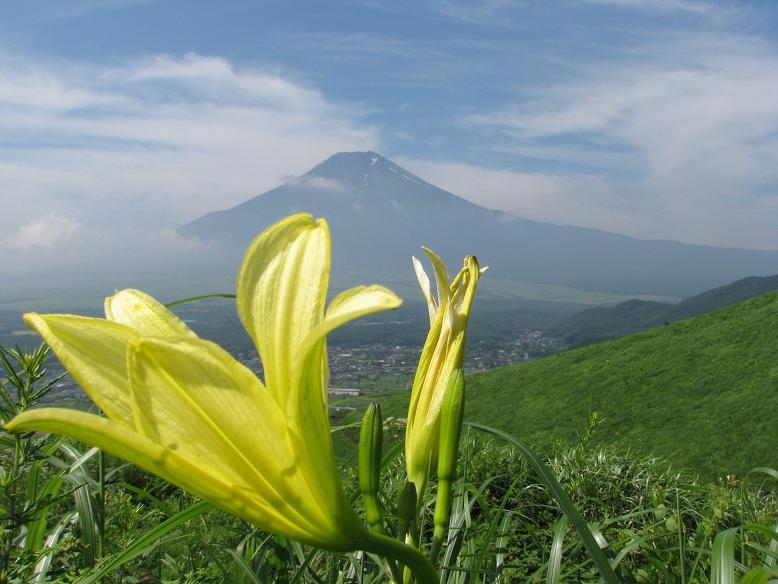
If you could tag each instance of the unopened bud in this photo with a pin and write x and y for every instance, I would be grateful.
(406, 509)
(451, 414)
(370, 446)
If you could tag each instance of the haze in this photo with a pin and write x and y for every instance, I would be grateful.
(122, 120)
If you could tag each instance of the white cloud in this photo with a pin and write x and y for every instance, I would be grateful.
(571, 199)
(30, 87)
(692, 121)
(153, 143)
(45, 232)
(322, 183)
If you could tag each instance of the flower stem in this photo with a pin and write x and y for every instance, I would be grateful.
(388, 547)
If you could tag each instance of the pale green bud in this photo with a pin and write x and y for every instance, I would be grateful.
(406, 509)
(450, 430)
(370, 446)
(443, 353)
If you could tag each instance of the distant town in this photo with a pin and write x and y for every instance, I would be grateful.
(357, 370)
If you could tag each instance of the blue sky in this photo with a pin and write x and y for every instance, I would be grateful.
(122, 119)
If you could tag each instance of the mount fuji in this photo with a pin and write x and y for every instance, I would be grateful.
(380, 214)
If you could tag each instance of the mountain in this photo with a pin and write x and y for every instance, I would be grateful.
(601, 323)
(381, 214)
(702, 392)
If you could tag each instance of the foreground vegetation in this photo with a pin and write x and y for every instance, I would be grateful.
(70, 514)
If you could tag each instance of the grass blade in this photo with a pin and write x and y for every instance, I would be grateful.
(563, 499)
(722, 557)
(555, 557)
(42, 567)
(194, 298)
(148, 540)
(245, 567)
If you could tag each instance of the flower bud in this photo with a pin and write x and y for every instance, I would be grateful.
(443, 353)
(450, 429)
(406, 509)
(370, 446)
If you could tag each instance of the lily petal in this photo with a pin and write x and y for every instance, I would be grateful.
(281, 291)
(94, 351)
(310, 401)
(441, 278)
(193, 396)
(424, 284)
(355, 303)
(158, 459)
(145, 314)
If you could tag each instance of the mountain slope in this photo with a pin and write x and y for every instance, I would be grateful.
(702, 392)
(381, 214)
(601, 323)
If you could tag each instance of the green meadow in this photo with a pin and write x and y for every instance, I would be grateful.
(657, 446)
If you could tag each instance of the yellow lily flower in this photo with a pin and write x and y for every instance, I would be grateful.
(181, 407)
(441, 356)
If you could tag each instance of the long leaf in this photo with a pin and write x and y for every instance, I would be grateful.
(555, 557)
(722, 557)
(392, 454)
(501, 549)
(568, 507)
(85, 503)
(36, 530)
(42, 567)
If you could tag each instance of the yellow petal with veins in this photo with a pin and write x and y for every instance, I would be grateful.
(145, 314)
(94, 351)
(281, 291)
(310, 402)
(426, 289)
(161, 460)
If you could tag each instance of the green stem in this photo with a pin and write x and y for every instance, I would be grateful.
(397, 573)
(101, 496)
(388, 547)
(9, 529)
(437, 544)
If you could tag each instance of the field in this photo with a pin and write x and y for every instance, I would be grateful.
(700, 393)
(695, 395)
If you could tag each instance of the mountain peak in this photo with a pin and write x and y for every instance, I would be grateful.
(363, 170)
(381, 214)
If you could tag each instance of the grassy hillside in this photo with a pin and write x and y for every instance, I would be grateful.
(601, 323)
(609, 322)
(703, 392)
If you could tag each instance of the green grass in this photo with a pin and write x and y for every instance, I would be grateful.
(603, 323)
(702, 393)
(73, 515)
